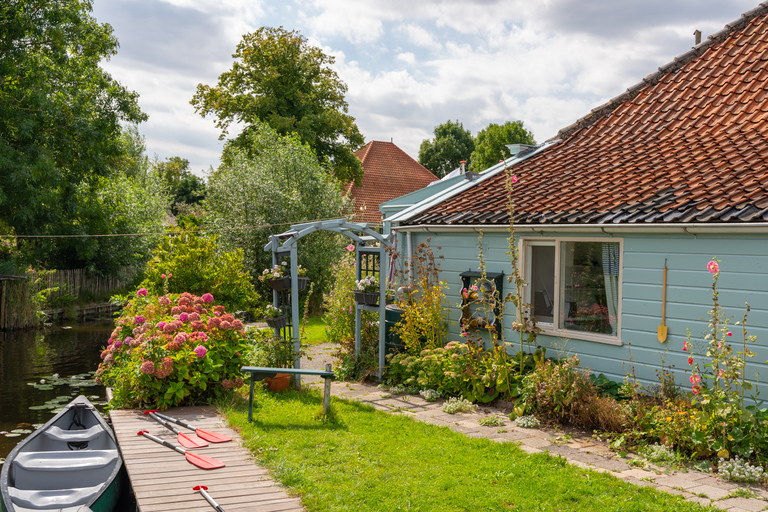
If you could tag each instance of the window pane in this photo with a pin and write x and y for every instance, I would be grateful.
(543, 282)
(590, 286)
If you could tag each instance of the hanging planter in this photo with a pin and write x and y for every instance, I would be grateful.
(366, 298)
(283, 283)
(277, 322)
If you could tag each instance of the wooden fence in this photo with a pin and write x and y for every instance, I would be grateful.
(17, 310)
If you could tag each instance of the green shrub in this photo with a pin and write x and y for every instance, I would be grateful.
(187, 262)
(172, 350)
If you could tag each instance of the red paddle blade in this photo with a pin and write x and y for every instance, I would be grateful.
(203, 462)
(212, 437)
(190, 442)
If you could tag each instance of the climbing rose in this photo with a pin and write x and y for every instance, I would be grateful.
(713, 267)
(207, 298)
(200, 351)
(148, 367)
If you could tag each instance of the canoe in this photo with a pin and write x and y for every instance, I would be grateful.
(70, 464)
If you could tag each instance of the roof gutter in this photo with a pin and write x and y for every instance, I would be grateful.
(606, 229)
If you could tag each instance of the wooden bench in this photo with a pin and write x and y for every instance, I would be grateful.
(259, 373)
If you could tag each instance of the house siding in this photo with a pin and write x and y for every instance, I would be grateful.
(743, 278)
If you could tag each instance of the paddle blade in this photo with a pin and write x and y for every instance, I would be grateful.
(212, 437)
(190, 442)
(203, 462)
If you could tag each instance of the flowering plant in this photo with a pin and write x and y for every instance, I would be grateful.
(172, 350)
(272, 312)
(276, 272)
(367, 284)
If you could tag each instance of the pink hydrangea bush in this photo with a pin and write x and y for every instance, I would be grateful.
(172, 350)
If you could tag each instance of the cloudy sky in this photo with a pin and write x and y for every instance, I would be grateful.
(409, 64)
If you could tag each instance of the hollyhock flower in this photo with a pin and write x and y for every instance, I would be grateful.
(139, 319)
(720, 373)
(207, 298)
(690, 360)
(183, 317)
(350, 247)
(685, 346)
(514, 179)
(729, 333)
(147, 367)
(695, 390)
(200, 351)
(142, 292)
(713, 267)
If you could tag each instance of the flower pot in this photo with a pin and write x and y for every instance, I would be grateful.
(279, 382)
(303, 282)
(366, 298)
(284, 283)
(278, 322)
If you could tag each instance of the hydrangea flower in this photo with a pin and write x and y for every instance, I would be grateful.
(207, 298)
(142, 292)
(183, 317)
(200, 351)
(147, 367)
(139, 320)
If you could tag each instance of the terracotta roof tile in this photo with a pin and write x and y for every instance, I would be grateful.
(687, 144)
(388, 173)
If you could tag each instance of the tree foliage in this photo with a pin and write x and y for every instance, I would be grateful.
(60, 112)
(491, 141)
(451, 145)
(181, 184)
(260, 192)
(279, 79)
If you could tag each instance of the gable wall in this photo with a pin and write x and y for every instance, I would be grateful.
(743, 278)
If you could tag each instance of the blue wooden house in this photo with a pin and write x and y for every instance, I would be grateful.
(672, 172)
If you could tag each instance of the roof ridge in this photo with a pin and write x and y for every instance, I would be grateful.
(654, 78)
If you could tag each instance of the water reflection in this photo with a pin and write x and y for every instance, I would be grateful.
(28, 356)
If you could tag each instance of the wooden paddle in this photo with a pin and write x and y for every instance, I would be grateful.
(183, 439)
(200, 461)
(212, 437)
(661, 333)
(202, 490)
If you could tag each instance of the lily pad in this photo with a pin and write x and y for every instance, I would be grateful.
(11, 434)
(21, 431)
(40, 407)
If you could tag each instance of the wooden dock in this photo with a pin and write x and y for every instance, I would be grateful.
(162, 479)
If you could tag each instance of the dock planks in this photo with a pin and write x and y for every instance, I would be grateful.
(162, 479)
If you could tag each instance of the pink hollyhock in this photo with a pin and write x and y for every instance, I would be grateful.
(713, 267)
(148, 367)
(685, 346)
(142, 292)
(350, 247)
(207, 298)
(695, 390)
(200, 351)
(514, 179)
(720, 373)
(729, 333)
(690, 360)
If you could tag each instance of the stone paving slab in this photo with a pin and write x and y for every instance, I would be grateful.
(579, 448)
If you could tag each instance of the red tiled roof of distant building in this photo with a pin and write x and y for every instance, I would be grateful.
(388, 173)
(689, 144)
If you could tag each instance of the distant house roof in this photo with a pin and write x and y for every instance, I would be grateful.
(688, 144)
(388, 173)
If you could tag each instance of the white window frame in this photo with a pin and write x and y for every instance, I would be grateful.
(551, 329)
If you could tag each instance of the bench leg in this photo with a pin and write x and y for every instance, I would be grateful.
(250, 402)
(327, 392)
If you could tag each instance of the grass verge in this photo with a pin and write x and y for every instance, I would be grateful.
(363, 459)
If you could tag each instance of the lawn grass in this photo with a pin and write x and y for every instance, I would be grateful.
(363, 459)
(314, 330)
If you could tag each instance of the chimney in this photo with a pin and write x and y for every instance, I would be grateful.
(463, 167)
(697, 37)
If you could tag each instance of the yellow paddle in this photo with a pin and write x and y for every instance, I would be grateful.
(661, 333)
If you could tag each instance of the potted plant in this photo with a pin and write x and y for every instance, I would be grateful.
(302, 278)
(279, 279)
(367, 291)
(278, 353)
(275, 317)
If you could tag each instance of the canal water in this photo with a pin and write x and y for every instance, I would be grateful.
(42, 370)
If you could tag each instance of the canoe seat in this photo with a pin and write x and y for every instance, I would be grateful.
(53, 499)
(62, 469)
(74, 436)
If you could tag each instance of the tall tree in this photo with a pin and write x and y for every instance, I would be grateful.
(279, 79)
(491, 141)
(60, 112)
(451, 145)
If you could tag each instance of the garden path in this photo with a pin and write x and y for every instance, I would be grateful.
(579, 448)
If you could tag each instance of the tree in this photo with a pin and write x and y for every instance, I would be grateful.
(451, 145)
(280, 80)
(491, 141)
(183, 186)
(256, 193)
(60, 112)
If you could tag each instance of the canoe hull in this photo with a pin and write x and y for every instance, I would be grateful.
(70, 463)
